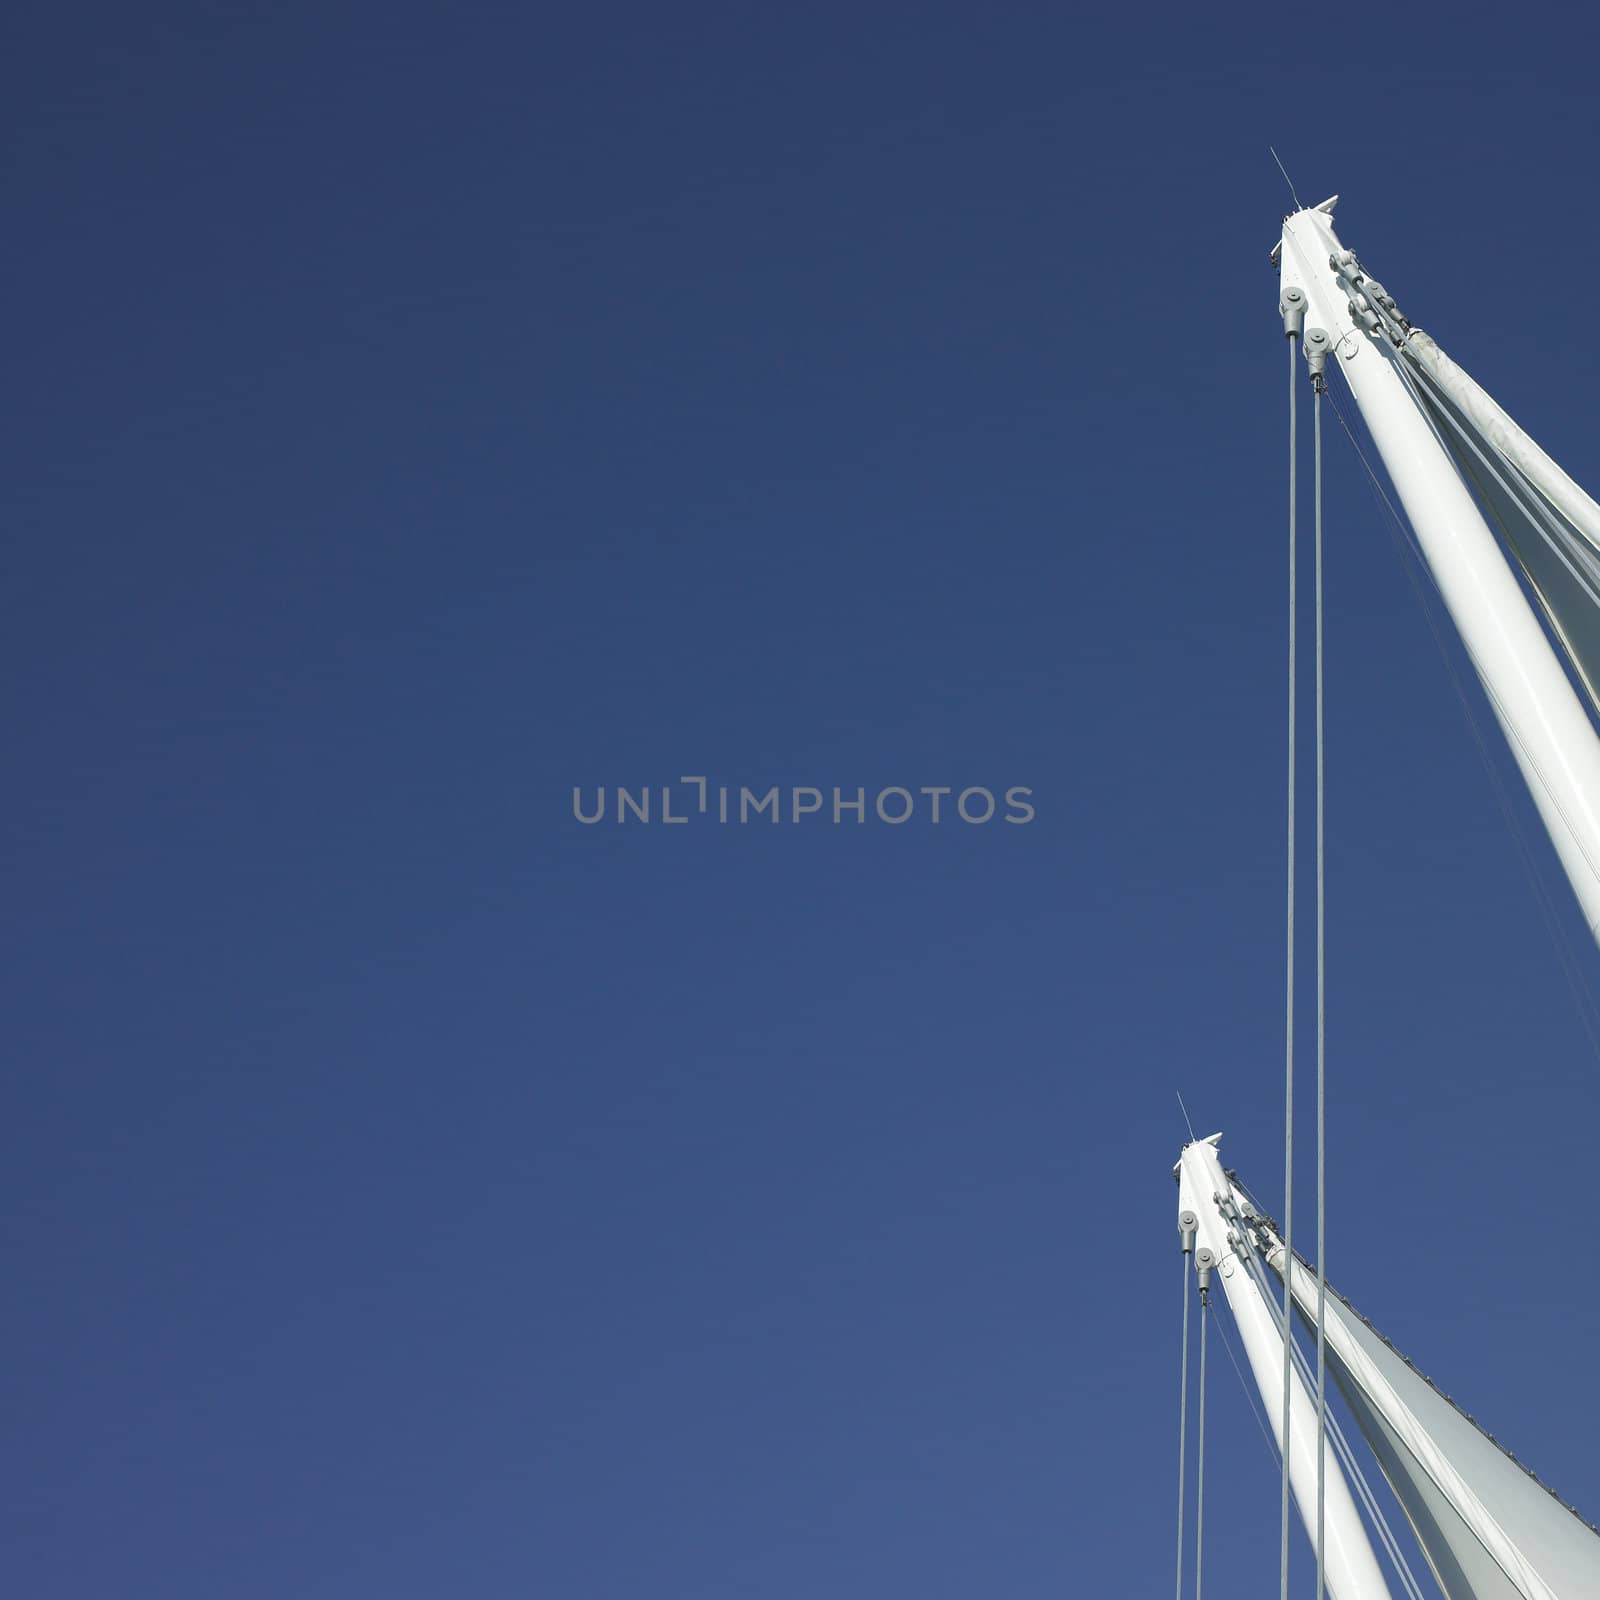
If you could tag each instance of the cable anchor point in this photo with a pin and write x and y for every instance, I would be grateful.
(1293, 309)
(1317, 347)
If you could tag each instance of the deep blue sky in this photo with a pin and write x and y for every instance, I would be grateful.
(412, 413)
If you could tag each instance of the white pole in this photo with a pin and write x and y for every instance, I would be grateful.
(1351, 1566)
(1544, 722)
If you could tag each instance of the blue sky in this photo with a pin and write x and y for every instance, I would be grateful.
(416, 412)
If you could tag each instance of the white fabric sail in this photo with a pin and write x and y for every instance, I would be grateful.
(1547, 521)
(1490, 1530)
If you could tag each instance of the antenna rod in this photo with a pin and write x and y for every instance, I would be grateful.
(1287, 179)
(1185, 1110)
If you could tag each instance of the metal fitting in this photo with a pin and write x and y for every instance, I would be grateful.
(1293, 308)
(1204, 1261)
(1378, 295)
(1187, 1223)
(1317, 346)
(1362, 314)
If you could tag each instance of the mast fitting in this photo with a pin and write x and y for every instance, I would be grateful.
(1293, 308)
(1317, 346)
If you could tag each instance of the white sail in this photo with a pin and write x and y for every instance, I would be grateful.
(1548, 522)
(1500, 430)
(1489, 1528)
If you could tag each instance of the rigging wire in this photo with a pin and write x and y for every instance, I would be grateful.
(1183, 1418)
(1249, 1390)
(1318, 385)
(1341, 1444)
(1288, 1043)
(1369, 1502)
(1200, 1470)
(1256, 1272)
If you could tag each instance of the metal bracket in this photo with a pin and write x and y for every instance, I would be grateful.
(1317, 346)
(1293, 309)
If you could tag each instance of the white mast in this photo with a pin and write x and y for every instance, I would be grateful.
(1486, 1526)
(1543, 720)
(1205, 1192)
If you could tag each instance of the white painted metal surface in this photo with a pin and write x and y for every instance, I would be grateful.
(1543, 719)
(1549, 522)
(1486, 1524)
(1352, 1567)
(1490, 417)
